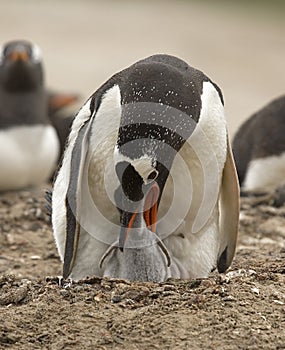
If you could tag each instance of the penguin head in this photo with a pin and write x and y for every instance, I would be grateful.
(137, 198)
(20, 67)
(138, 195)
(142, 163)
(158, 115)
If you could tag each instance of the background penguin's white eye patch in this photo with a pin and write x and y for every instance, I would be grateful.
(36, 54)
(1, 54)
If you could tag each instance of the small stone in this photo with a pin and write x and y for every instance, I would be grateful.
(35, 257)
(229, 298)
(14, 296)
(38, 213)
(64, 293)
(97, 298)
(116, 299)
(255, 290)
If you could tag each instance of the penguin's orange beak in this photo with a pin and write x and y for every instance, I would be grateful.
(149, 215)
(150, 207)
(19, 56)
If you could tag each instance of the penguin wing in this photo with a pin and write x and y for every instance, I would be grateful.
(229, 207)
(58, 101)
(66, 197)
(73, 196)
(70, 201)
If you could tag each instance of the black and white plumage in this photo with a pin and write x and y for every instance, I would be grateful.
(148, 189)
(29, 143)
(30, 129)
(259, 148)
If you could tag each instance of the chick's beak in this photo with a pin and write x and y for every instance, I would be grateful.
(150, 209)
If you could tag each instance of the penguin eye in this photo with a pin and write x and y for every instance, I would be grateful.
(152, 176)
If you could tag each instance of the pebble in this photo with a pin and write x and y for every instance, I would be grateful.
(35, 257)
(255, 290)
(14, 296)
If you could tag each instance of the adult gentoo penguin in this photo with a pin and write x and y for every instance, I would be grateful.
(147, 189)
(259, 148)
(31, 126)
(29, 145)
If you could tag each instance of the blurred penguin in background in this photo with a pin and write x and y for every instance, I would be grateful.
(259, 148)
(31, 136)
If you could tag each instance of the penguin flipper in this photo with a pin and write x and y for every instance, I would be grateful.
(57, 101)
(73, 196)
(229, 207)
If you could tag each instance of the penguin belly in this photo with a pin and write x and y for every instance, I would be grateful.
(190, 225)
(194, 242)
(28, 156)
(265, 173)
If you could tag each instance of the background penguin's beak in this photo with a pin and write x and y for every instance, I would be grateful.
(149, 214)
(19, 55)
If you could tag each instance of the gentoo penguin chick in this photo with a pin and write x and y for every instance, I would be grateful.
(148, 189)
(259, 148)
(29, 143)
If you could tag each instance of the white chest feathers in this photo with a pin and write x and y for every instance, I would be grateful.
(28, 155)
(265, 173)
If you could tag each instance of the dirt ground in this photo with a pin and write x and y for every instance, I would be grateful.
(242, 309)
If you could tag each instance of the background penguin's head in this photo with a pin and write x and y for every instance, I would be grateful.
(20, 67)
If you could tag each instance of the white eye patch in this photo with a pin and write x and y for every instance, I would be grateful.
(1, 54)
(36, 54)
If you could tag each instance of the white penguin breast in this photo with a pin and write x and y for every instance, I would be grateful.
(28, 155)
(189, 228)
(265, 173)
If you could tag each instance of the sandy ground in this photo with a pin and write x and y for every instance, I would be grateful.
(84, 42)
(243, 309)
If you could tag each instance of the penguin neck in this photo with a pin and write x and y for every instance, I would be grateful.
(24, 108)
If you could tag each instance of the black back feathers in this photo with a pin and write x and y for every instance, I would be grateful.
(260, 136)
